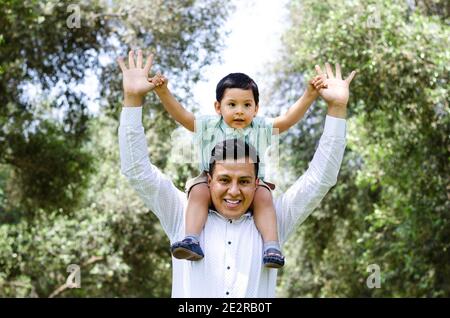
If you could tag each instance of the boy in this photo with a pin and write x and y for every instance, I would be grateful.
(237, 103)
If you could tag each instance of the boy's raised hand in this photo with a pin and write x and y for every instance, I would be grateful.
(337, 92)
(135, 78)
(315, 84)
(160, 82)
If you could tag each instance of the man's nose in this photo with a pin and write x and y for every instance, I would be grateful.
(233, 190)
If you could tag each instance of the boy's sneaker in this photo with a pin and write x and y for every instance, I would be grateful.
(273, 258)
(187, 249)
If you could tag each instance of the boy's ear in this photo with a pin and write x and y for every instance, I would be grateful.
(217, 107)
(256, 109)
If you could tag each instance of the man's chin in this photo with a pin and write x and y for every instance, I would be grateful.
(231, 214)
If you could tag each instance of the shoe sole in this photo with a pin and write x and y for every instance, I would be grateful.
(273, 265)
(184, 253)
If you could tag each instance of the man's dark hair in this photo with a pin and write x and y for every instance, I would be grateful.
(234, 149)
(236, 80)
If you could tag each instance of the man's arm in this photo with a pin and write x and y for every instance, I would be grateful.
(297, 203)
(172, 106)
(294, 206)
(299, 108)
(156, 190)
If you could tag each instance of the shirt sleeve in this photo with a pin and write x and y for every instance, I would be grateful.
(204, 123)
(267, 123)
(265, 128)
(155, 189)
(297, 203)
(205, 129)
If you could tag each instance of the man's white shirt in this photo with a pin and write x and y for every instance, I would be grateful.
(232, 266)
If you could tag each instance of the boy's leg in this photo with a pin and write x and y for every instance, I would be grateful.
(197, 209)
(196, 214)
(266, 222)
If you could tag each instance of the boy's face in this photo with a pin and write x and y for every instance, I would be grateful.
(237, 107)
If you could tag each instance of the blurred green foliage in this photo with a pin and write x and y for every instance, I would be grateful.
(62, 198)
(391, 204)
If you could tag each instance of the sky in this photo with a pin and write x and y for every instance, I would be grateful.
(253, 43)
(256, 27)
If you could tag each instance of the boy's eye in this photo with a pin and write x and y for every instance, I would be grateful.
(231, 104)
(248, 105)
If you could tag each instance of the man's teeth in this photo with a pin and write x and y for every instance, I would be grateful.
(232, 201)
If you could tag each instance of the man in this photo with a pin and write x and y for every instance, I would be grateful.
(233, 246)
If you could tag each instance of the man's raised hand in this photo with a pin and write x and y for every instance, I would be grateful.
(135, 78)
(337, 92)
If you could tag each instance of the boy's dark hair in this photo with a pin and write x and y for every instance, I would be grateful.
(234, 149)
(237, 80)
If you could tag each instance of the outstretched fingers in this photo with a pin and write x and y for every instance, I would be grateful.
(148, 64)
(131, 59)
(319, 70)
(329, 70)
(338, 71)
(350, 77)
(121, 64)
(138, 63)
(139, 59)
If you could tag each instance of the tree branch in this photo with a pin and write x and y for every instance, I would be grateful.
(65, 286)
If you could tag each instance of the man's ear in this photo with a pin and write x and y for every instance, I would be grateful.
(209, 178)
(257, 182)
(217, 107)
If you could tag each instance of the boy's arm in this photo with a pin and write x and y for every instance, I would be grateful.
(293, 115)
(173, 107)
(299, 108)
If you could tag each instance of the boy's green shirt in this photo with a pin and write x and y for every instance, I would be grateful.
(212, 129)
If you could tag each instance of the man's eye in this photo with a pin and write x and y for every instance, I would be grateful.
(245, 182)
(223, 180)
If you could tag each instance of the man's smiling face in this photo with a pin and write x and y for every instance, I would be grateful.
(232, 187)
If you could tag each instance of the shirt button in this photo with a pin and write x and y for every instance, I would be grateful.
(229, 243)
(228, 267)
(227, 293)
(230, 221)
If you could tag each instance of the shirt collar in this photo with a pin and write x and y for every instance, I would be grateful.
(234, 131)
(243, 217)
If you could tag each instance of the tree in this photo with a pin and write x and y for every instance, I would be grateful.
(40, 49)
(62, 199)
(390, 206)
